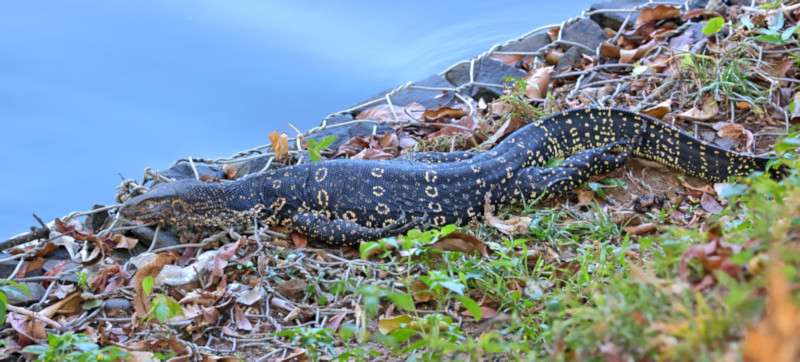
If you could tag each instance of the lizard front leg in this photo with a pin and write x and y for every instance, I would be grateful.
(341, 232)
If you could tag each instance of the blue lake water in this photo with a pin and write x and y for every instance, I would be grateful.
(90, 90)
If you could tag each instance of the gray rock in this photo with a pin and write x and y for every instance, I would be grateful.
(530, 44)
(97, 220)
(486, 71)
(117, 304)
(570, 58)
(586, 32)
(184, 171)
(424, 97)
(19, 299)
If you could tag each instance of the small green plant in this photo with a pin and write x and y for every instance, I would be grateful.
(517, 100)
(163, 307)
(713, 26)
(775, 33)
(312, 339)
(315, 148)
(73, 347)
(83, 280)
(12, 287)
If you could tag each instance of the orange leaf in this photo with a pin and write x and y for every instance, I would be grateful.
(537, 81)
(280, 143)
(657, 13)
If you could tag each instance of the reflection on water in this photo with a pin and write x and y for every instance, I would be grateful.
(92, 89)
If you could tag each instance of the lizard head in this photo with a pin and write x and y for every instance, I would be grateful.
(193, 203)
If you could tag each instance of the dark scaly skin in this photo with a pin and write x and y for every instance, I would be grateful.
(343, 202)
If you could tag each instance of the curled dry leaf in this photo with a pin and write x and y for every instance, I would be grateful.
(223, 255)
(335, 322)
(660, 110)
(513, 226)
(660, 12)
(710, 204)
(508, 127)
(241, 320)
(609, 50)
(124, 242)
(373, 154)
(420, 291)
(714, 256)
(777, 335)
(703, 112)
(486, 312)
(464, 126)
(292, 289)
(280, 143)
(461, 242)
(141, 301)
(389, 325)
(436, 115)
(537, 81)
(632, 55)
(640, 229)
(507, 59)
(383, 112)
(696, 13)
(300, 241)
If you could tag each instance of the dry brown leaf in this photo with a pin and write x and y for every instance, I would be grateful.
(280, 143)
(461, 242)
(486, 312)
(696, 13)
(420, 291)
(223, 255)
(640, 229)
(383, 112)
(609, 50)
(709, 109)
(124, 242)
(732, 131)
(585, 197)
(513, 226)
(657, 13)
(335, 322)
(537, 81)
(710, 204)
(389, 325)
(53, 309)
(435, 115)
(660, 110)
(372, 154)
(141, 301)
(506, 58)
(241, 320)
(632, 55)
(714, 256)
(777, 335)
(464, 126)
(292, 289)
(508, 127)
(300, 241)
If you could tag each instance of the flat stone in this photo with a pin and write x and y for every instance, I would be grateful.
(530, 44)
(184, 171)
(117, 304)
(570, 58)
(430, 99)
(585, 32)
(487, 71)
(19, 299)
